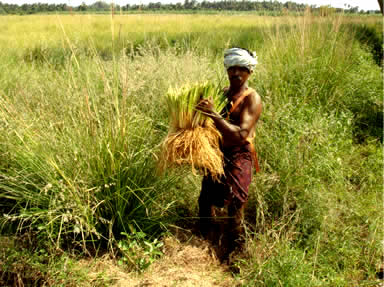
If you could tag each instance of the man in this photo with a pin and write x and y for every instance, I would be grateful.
(237, 128)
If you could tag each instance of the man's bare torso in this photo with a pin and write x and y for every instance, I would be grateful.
(246, 106)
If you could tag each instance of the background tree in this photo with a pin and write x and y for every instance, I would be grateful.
(381, 6)
(83, 7)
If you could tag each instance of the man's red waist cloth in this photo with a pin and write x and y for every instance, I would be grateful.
(238, 162)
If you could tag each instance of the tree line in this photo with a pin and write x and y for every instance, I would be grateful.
(188, 5)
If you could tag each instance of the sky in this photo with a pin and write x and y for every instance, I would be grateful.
(362, 4)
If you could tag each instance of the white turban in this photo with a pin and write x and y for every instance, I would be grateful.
(240, 57)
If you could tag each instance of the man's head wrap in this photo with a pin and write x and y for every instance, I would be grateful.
(240, 57)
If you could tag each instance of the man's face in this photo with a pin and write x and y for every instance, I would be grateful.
(238, 75)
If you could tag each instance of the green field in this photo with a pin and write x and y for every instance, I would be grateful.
(82, 116)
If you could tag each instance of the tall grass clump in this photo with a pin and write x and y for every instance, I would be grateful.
(193, 138)
(303, 68)
(312, 195)
(83, 172)
(78, 154)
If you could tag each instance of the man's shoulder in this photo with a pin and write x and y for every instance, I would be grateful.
(253, 95)
(252, 91)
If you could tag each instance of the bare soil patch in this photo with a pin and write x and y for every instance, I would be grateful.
(188, 261)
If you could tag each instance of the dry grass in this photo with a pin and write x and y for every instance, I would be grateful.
(184, 263)
(192, 136)
(198, 147)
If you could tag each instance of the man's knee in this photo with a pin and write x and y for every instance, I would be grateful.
(204, 204)
(236, 219)
(236, 211)
(206, 214)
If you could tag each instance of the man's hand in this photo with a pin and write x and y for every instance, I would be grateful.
(206, 106)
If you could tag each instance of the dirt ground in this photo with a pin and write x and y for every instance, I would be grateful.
(188, 261)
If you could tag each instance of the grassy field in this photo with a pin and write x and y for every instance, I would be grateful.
(82, 116)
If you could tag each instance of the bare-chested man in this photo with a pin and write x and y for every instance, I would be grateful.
(237, 129)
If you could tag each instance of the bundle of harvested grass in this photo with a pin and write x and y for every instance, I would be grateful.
(193, 138)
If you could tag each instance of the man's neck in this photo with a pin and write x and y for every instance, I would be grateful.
(235, 92)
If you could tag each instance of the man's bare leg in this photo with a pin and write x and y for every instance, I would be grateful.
(235, 226)
(206, 215)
